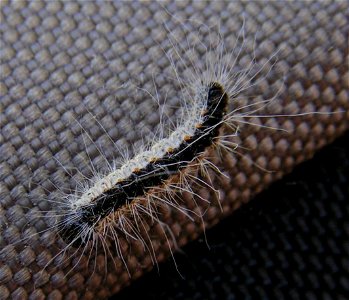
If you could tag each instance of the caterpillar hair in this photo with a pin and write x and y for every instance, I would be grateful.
(212, 80)
(151, 168)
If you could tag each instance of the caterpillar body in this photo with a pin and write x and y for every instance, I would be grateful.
(149, 169)
(125, 201)
(210, 76)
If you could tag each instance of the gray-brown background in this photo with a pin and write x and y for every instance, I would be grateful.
(61, 61)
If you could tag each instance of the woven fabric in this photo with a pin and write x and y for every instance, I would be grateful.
(66, 61)
(290, 242)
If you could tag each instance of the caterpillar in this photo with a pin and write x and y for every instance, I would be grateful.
(151, 168)
(122, 202)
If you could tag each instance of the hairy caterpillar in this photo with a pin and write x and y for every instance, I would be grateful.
(119, 201)
(216, 66)
(95, 214)
(149, 169)
(92, 217)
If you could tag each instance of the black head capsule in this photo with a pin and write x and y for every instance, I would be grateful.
(215, 91)
(217, 100)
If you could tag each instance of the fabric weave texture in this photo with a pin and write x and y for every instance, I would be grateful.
(289, 242)
(63, 61)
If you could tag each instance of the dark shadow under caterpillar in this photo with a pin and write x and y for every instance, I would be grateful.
(154, 174)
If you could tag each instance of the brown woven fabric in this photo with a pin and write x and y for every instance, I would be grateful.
(61, 61)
